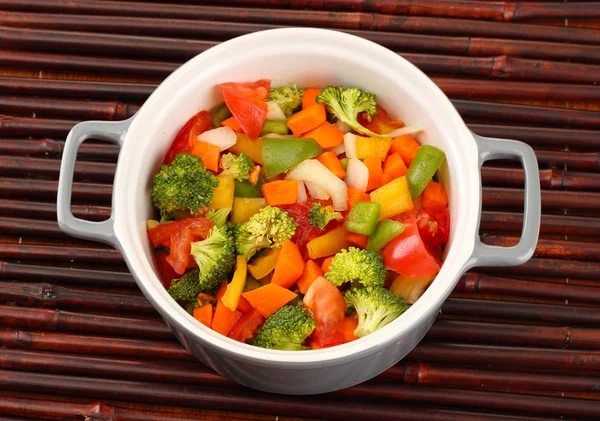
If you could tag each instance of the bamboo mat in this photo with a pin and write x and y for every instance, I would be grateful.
(80, 342)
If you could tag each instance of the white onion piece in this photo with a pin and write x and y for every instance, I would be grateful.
(223, 137)
(313, 171)
(357, 175)
(274, 112)
(338, 150)
(316, 191)
(343, 127)
(350, 145)
(302, 196)
(279, 136)
(404, 130)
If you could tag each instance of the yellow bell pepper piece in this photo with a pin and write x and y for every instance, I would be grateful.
(234, 290)
(151, 223)
(394, 198)
(245, 207)
(410, 288)
(366, 146)
(223, 196)
(328, 244)
(264, 264)
(252, 148)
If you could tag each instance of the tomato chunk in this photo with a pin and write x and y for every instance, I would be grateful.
(245, 328)
(328, 308)
(380, 123)
(185, 139)
(247, 102)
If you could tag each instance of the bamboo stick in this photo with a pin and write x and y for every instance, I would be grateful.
(60, 253)
(51, 107)
(47, 210)
(550, 178)
(477, 283)
(49, 296)
(97, 172)
(37, 189)
(555, 268)
(511, 198)
(68, 321)
(27, 227)
(574, 160)
(550, 224)
(25, 272)
(75, 88)
(551, 248)
(40, 127)
(53, 149)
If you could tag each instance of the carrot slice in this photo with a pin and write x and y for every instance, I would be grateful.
(355, 195)
(406, 146)
(394, 166)
(311, 272)
(224, 319)
(307, 119)
(435, 196)
(310, 97)
(289, 265)
(350, 324)
(204, 314)
(358, 240)
(373, 164)
(327, 135)
(269, 298)
(209, 153)
(333, 164)
(326, 265)
(221, 291)
(280, 192)
(233, 124)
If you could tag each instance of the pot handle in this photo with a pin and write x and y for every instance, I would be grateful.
(486, 255)
(112, 131)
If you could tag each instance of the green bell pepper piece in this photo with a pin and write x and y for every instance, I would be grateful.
(363, 218)
(344, 162)
(275, 126)
(219, 114)
(245, 189)
(385, 232)
(423, 167)
(280, 155)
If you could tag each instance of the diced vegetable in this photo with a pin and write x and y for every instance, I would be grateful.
(385, 232)
(223, 196)
(307, 119)
(423, 167)
(245, 207)
(245, 328)
(357, 175)
(223, 137)
(394, 197)
(224, 319)
(245, 188)
(234, 290)
(312, 170)
(359, 240)
(411, 289)
(275, 126)
(338, 150)
(188, 135)
(232, 123)
(373, 164)
(355, 196)
(403, 131)
(363, 218)
(326, 265)
(247, 102)
(344, 162)
(252, 148)
(406, 146)
(328, 308)
(204, 314)
(350, 325)
(280, 155)
(251, 285)
(280, 192)
(269, 298)
(274, 113)
(243, 304)
(221, 291)
(310, 274)
(316, 191)
(331, 161)
(219, 114)
(435, 196)
(350, 140)
(309, 97)
(209, 154)
(287, 98)
(369, 146)
(151, 223)
(264, 264)
(289, 266)
(394, 166)
(302, 196)
(326, 135)
(328, 244)
(380, 123)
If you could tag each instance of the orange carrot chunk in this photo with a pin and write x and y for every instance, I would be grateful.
(326, 265)
(289, 265)
(350, 325)
(355, 195)
(280, 192)
(233, 124)
(406, 146)
(394, 166)
(209, 154)
(333, 164)
(224, 319)
(310, 97)
(269, 298)
(307, 119)
(373, 164)
(311, 272)
(358, 240)
(221, 291)
(326, 134)
(204, 314)
(435, 196)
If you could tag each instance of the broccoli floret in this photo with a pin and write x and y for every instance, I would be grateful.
(215, 257)
(319, 216)
(238, 166)
(186, 287)
(347, 104)
(219, 216)
(288, 99)
(357, 265)
(375, 306)
(270, 227)
(286, 329)
(185, 184)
